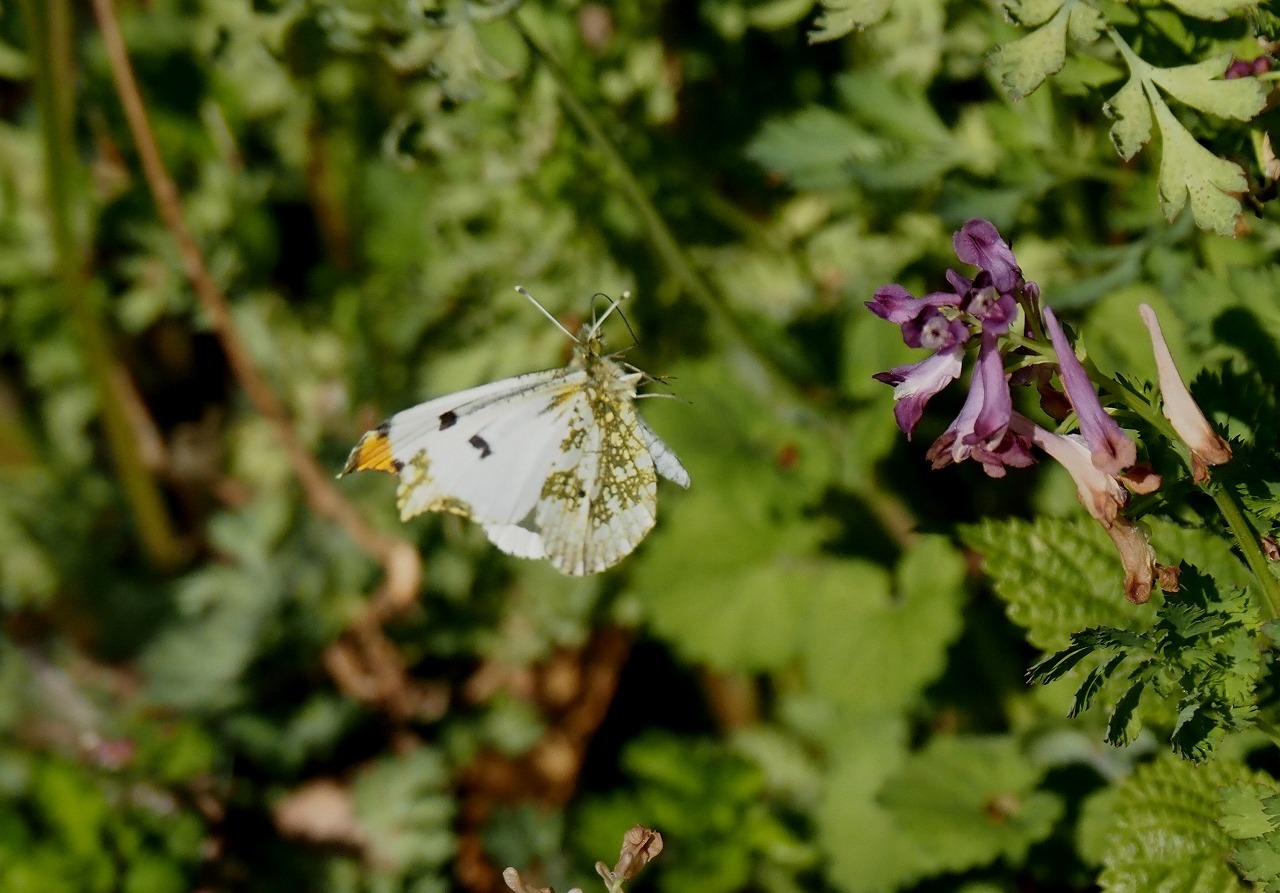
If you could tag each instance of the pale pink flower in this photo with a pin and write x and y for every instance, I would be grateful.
(1207, 447)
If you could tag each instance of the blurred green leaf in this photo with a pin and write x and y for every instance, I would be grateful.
(405, 812)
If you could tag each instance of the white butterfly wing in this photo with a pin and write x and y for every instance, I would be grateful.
(663, 458)
(600, 497)
(482, 453)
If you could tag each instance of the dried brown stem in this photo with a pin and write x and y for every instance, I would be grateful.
(401, 564)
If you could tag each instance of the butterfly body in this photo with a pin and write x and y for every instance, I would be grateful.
(554, 464)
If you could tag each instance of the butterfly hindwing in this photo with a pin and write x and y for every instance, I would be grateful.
(600, 497)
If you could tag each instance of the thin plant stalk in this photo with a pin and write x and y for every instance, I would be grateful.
(49, 30)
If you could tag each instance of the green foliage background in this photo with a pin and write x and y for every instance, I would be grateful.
(811, 675)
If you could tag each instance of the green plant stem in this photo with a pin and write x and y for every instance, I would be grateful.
(1247, 539)
(784, 368)
(48, 28)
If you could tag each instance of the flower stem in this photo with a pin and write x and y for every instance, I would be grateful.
(1228, 503)
(49, 39)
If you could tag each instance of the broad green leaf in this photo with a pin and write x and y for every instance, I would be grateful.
(1202, 86)
(224, 612)
(1056, 576)
(743, 604)
(812, 148)
(1160, 831)
(1189, 170)
(774, 15)
(969, 801)
(839, 17)
(960, 803)
(866, 850)
(1131, 110)
(857, 627)
(1213, 10)
(897, 108)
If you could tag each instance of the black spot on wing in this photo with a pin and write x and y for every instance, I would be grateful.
(481, 444)
(384, 427)
(448, 419)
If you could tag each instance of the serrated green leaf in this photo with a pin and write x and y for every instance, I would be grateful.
(1123, 725)
(1131, 110)
(1193, 730)
(1189, 170)
(1243, 813)
(1160, 829)
(839, 17)
(1056, 576)
(1203, 87)
(1092, 684)
(1057, 665)
(1213, 10)
(1259, 861)
(1249, 813)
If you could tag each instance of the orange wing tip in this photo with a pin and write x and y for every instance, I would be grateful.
(373, 453)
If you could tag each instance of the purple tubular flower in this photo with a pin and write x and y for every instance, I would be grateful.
(979, 243)
(1110, 449)
(897, 305)
(981, 430)
(915, 383)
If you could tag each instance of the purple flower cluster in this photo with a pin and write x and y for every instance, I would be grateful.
(1101, 457)
(944, 322)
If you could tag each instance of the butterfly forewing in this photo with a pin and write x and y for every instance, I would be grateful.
(481, 453)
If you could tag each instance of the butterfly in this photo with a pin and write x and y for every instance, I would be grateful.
(554, 464)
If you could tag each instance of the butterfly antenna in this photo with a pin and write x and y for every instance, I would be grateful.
(547, 313)
(634, 340)
(613, 305)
